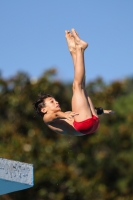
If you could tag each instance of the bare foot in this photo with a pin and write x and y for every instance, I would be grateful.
(79, 43)
(70, 41)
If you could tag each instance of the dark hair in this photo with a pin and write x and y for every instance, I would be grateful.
(39, 103)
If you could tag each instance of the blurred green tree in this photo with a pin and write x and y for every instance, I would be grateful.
(97, 166)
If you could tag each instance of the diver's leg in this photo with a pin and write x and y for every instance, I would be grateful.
(80, 103)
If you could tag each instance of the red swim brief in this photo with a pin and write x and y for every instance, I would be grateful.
(87, 126)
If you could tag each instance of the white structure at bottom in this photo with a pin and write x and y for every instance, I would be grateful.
(15, 176)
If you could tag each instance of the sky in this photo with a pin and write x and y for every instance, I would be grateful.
(32, 37)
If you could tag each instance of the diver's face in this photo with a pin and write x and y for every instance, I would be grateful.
(51, 104)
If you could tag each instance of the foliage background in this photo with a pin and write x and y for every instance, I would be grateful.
(97, 166)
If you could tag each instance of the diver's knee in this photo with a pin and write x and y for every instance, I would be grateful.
(76, 86)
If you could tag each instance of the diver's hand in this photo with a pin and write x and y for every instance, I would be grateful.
(70, 115)
(108, 112)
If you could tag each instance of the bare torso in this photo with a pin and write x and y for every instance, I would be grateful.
(63, 126)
